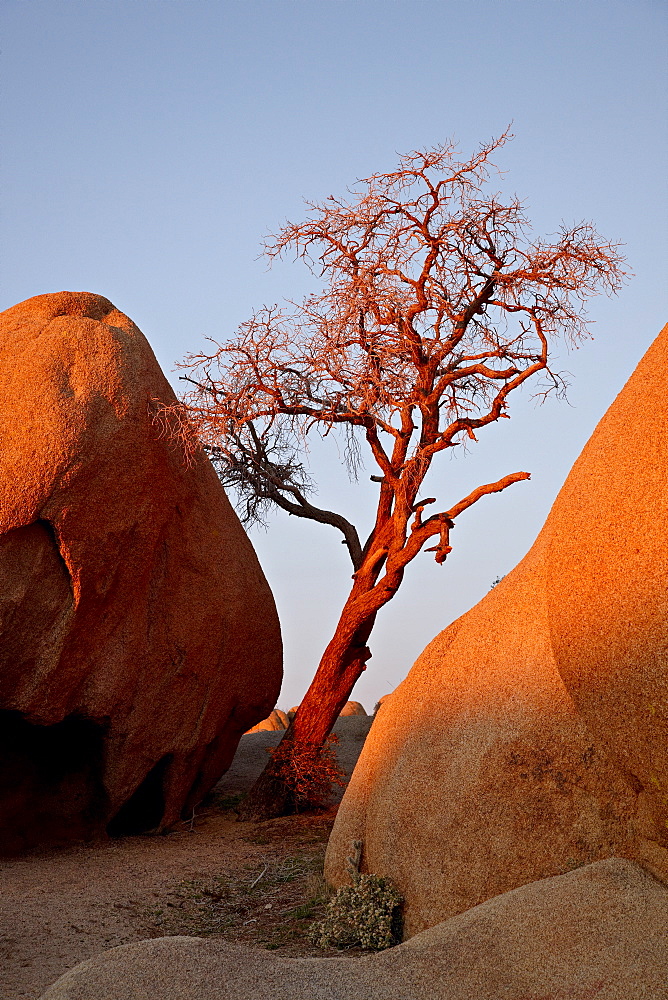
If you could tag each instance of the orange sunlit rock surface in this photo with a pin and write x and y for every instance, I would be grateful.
(607, 590)
(531, 736)
(138, 636)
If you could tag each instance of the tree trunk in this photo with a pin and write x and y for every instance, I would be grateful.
(341, 665)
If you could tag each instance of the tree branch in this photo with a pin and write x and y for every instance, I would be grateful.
(306, 509)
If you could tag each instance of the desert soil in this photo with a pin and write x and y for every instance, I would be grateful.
(255, 883)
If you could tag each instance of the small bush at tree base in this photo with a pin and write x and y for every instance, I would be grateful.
(308, 770)
(366, 913)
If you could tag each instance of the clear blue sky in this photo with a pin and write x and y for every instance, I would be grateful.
(150, 144)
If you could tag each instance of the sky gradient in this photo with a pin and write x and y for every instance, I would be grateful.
(149, 146)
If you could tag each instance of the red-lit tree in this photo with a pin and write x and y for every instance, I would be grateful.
(436, 304)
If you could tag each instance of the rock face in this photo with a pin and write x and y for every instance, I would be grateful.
(138, 636)
(532, 734)
(607, 590)
(599, 933)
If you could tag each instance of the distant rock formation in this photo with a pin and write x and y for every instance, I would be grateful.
(138, 635)
(251, 756)
(596, 932)
(531, 736)
(275, 720)
(352, 708)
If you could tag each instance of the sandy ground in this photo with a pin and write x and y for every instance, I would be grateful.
(61, 906)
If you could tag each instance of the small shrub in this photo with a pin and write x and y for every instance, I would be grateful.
(366, 913)
(309, 771)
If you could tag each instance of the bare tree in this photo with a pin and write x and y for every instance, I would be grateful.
(436, 304)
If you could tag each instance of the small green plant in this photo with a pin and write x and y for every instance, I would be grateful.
(366, 913)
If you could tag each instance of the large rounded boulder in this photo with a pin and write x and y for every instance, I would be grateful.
(531, 736)
(138, 636)
(607, 590)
